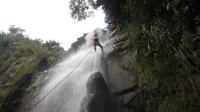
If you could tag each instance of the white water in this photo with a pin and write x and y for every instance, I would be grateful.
(68, 95)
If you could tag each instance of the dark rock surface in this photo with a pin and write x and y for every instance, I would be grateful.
(98, 97)
(120, 77)
(76, 45)
(13, 101)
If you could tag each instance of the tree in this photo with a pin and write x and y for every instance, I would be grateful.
(16, 30)
(79, 9)
(52, 44)
(4, 42)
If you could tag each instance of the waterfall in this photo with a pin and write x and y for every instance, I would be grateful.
(68, 95)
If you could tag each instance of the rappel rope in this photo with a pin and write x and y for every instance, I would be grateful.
(43, 98)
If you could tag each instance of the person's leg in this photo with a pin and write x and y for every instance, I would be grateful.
(95, 47)
(101, 46)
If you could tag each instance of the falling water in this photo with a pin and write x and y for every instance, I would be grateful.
(68, 95)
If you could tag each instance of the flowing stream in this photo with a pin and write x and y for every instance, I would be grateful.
(68, 95)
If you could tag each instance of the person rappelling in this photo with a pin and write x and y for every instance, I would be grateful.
(96, 42)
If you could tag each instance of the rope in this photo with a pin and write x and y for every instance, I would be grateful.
(43, 98)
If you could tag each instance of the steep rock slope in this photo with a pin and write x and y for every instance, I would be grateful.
(21, 59)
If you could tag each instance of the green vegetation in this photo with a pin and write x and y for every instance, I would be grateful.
(20, 56)
(167, 53)
(180, 103)
(165, 36)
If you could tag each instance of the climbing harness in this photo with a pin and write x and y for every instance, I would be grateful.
(43, 98)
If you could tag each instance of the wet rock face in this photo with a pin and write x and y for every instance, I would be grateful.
(96, 84)
(80, 41)
(98, 97)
